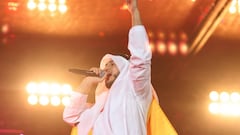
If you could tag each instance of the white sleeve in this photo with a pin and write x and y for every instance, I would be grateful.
(140, 60)
(73, 111)
(80, 114)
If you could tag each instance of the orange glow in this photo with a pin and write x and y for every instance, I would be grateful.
(52, 7)
(161, 36)
(42, 6)
(55, 101)
(161, 47)
(224, 103)
(62, 8)
(172, 48)
(151, 46)
(43, 100)
(13, 6)
(61, 1)
(183, 48)
(214, 96)
(124, 7)
(32, 99)
(66, 100)
(45, 93)
(31, 5)
(5, 28)
(224, 97)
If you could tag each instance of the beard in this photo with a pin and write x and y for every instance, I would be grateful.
(109, 83)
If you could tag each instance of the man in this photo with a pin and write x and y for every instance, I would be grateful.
(123, 94)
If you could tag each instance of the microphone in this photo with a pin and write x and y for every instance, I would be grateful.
(86, 72)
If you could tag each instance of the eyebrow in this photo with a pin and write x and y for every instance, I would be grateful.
(111, 61)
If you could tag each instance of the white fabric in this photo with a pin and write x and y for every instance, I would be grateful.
(123, 109)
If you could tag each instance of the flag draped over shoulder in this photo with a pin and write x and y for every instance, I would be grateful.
(158, 123)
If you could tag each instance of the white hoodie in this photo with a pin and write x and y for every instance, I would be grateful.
(122, 110)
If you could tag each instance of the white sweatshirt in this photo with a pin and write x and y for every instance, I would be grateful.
(123, 109)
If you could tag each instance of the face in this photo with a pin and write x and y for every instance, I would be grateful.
(112, 73)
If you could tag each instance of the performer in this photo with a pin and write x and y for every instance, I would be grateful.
(123, 95)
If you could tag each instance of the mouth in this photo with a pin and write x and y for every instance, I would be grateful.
(108, 76)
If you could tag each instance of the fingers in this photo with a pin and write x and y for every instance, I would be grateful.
(96, 70)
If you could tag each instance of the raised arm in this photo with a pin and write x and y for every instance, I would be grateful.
(133, 9)
(138, 45)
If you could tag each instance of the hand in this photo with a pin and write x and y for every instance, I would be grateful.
(90, 81)
(132, 5)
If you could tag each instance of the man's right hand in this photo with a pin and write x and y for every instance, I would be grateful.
(89, 82)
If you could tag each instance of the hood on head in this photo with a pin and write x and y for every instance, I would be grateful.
(121, 62)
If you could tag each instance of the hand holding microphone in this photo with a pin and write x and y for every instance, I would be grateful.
(94, 72)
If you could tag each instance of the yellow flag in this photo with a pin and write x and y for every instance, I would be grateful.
(74, 131)
(158, 123)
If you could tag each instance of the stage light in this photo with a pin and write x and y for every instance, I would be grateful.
(43, 100)
(161, 47)
(52, 7)
(124, 7)
(51, 1)
(62, 8)
(151, 46)
(61, 1)
(55, 89)
(42, 6)
(66, 100)
(41, 92)
(183, 48)
(5, 28)
(55, 100)
(32, 99)
(31, 88)
(214, 108)
(31, 5)
(13, 6)
(235, 97)
(161, 36)
(224, 103)
(172, 48)
(235, 5)
(43, 88)
(66, 89)
(224, 96)
(214, 96)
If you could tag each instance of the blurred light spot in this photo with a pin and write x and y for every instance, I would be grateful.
(55, 101)
(32, 99)
(214, 108)
(151, 46)
(172, 48)
(224, 96)
(43, 100)
(62, 8)
(161, 47)
(31, 88)
(235, 97)
(42, 6)
(52, 7)
(5, 28)
(31, 5)
(124, 7)
(183, 48)
(214, 96)
(66, 100)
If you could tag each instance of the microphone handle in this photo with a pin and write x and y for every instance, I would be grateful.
(86, 72)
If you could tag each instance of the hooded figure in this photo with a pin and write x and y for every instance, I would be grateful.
(121, 109)
(124, 94)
